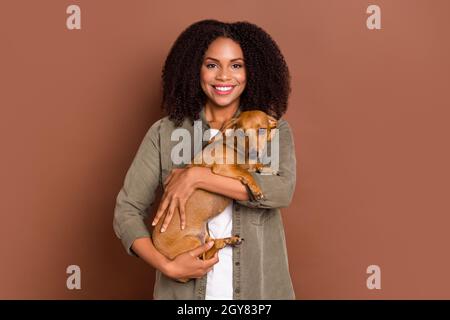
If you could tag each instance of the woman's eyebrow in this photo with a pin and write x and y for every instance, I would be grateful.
(219, 61)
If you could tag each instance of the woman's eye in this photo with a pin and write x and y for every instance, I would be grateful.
(210, 64)
(237, 66)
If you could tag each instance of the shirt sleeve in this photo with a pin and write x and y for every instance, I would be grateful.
(138, 191)
(277, 189)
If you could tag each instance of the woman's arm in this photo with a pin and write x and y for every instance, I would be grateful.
(133, 200)
(145, 249)
(138, 191)
(229, 187)
(186, 265)
(278, 190)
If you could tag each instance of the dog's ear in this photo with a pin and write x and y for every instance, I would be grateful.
(272, 122)
(230, 124)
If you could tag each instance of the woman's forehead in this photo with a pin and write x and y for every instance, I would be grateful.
(224, 48)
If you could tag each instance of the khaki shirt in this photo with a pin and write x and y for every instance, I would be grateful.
(260, 263)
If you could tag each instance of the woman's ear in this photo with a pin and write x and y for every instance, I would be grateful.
(272, 122)
(230, 124)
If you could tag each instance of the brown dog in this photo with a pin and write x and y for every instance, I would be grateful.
(203, 205)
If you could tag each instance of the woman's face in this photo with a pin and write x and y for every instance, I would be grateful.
(223, 75)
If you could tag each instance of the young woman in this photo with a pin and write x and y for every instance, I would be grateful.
(214, 71)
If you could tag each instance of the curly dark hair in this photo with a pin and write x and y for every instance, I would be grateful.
(268, 78)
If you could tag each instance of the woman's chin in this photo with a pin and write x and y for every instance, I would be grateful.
(222, 102)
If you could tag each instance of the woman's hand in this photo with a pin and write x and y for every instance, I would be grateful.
(188, 264)
(179, 186)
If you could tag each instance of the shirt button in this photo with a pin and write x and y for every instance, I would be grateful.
(237, 263)
(238, 207)
(237, 290)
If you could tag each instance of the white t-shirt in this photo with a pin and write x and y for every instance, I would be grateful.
(219, 284)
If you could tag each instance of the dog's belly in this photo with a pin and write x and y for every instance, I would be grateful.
(201, 206)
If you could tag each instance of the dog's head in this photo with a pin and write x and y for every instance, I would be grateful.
(258, 121)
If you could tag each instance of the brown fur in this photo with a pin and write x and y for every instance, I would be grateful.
(203, 205)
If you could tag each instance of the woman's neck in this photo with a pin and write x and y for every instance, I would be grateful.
(216, 115)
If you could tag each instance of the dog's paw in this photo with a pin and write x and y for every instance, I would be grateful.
(184, 280)
(267, 171)
(259, 196)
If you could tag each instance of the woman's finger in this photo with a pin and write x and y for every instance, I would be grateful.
(182, 214)
(162, 208)
(168, 216)
(201, 249)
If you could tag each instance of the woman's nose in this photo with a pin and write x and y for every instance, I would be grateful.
(223, 75)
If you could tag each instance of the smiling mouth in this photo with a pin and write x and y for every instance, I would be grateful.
(223, 90)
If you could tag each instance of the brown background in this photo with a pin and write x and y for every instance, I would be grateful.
(369, 111)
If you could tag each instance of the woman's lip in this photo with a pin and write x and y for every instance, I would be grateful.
(223, 92)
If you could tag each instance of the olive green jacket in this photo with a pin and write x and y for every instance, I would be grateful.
(260, 263)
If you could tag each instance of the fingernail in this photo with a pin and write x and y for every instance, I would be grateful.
(153, 223)
(163, 229)
(210, 243)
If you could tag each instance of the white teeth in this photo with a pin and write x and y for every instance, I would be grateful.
(223, 88)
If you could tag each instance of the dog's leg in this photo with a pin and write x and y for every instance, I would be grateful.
(241, 174)
(252, 167)
(220, 244)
